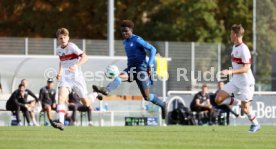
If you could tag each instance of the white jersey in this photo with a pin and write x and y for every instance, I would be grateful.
(241, 55)
(69, 56)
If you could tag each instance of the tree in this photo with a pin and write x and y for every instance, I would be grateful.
(156, 20)
(41, 18)
(266, 30)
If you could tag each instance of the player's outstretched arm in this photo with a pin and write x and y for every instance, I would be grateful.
(83, 59)
(243, 69)
(59, 72)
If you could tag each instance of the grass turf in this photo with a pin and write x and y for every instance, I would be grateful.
(172, 137)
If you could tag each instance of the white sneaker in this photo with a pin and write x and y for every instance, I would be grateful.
(254, 128)
(36, 124)
(90, 123)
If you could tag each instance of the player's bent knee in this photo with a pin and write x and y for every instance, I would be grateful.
(218, 100)
(221, 96)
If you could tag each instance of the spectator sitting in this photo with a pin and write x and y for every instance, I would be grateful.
(47, 96)
(201, 103)
(32, 102)
(18, 101)
(75, 104)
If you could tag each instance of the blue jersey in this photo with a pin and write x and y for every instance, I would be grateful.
(135, 48)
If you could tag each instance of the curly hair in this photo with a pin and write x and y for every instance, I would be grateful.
(127, 23)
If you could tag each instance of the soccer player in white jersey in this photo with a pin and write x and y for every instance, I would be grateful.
(69, 73)
(242, 81)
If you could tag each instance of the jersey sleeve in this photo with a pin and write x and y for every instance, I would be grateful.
(142, 43)
(246, 56)
(76, 49)
(32, 94)
(197, 96)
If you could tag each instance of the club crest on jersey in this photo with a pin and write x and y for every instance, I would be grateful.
(131, 44)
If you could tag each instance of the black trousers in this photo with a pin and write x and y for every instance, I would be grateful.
(15, 109)
(210, 113)
(74, 107)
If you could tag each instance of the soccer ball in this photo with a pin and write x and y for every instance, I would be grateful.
(111, 71)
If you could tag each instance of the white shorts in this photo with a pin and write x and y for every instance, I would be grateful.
(244, 92)
(74, 81)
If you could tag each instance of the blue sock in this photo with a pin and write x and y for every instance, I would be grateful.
(114, 84)
(155, 100)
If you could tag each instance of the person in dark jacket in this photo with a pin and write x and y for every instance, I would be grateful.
(32, 102)
(47, 95)
(201, 103)
(18, 102)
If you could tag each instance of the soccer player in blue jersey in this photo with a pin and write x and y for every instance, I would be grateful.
(138, 69)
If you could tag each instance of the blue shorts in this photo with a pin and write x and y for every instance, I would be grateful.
(140, 76)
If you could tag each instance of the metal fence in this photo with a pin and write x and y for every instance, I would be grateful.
(191, 63)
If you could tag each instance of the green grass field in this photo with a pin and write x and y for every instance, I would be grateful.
(172, 137)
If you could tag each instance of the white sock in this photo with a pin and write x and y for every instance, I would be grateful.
(61, 112)
(231, 101)
(253, 119)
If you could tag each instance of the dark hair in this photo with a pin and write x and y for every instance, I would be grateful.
(127, 23)
(238, 29)
(21, 85)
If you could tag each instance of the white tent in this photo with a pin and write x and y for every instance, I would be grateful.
(36, 69)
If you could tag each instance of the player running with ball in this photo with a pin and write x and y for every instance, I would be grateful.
(243, 80)
(69, 74)
(138, 68)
